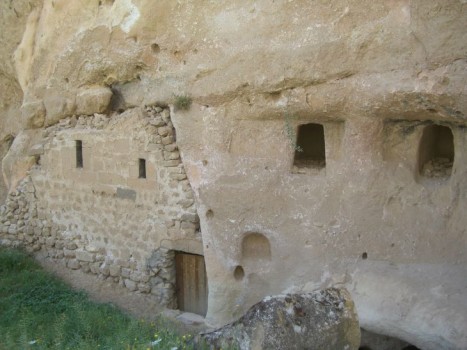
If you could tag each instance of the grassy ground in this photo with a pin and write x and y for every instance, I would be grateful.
(38, 311)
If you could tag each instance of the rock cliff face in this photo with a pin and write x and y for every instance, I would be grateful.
(325, 145)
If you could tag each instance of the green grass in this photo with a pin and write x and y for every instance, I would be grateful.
(38, 311)
(182, 102)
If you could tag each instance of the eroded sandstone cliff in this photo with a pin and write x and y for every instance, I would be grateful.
(378, 206)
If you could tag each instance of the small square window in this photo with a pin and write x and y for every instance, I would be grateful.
(310, 151)
(142, 168)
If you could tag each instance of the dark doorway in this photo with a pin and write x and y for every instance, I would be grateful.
(310, 150)
(436, 151)
(192, 284)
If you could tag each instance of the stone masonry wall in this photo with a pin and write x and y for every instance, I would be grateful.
(102, 218)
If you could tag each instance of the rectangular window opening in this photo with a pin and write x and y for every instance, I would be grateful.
(142, 168)
(310, 149)
(436, 152)
(79, 153)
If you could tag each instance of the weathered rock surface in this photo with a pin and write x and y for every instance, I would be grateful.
(373, 74)
(322, 320)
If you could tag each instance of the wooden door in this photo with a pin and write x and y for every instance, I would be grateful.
(192, 286)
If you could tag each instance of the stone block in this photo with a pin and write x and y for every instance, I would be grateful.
(167, 140)
(114, 270)
(83, 255)
(71, 245)
(91, 248)
(171, 155)
(104, 269)
(145, 277)
(50, 242)
(135, 276)
(157, 121)
(164, 131)
(29, 239)
(126, 193)
(36, 150)
(120, 146)
(69, 253)
(126, 273)
(130, 285)
(34, 114)
(170, 148)
(57, 107)
(178, 177)
(93, 100)
(156, 281)
(95, 267)
(185, 225)
(108, 178)
(85, 267)
(73, 264)
(165, 115)
(190, 217)
(171, 163)
(144, 288)
(153, 147)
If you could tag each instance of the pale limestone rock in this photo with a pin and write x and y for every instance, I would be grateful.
(131, 285)
(73, 264)
(114, 270)
(85, 256)
(17, 162)
(93, 100)
(34, 114)
(57, 107)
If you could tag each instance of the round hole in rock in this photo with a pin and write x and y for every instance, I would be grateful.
(155, 48)
(205, 162)
(209, 213)
(256, 247)
(365, 256)
(239, 273)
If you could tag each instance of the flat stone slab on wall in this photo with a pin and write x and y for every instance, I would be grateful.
(321, 320)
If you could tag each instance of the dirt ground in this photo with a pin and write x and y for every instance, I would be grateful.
(104, 291)
(136, 304)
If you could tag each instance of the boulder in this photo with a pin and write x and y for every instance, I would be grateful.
(323, 320)
(93, 100)
(34, 114)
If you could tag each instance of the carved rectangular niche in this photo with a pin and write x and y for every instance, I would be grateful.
(436, 152)
(141, 168)
(79, 153)
(310, 149)
(426, 148)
